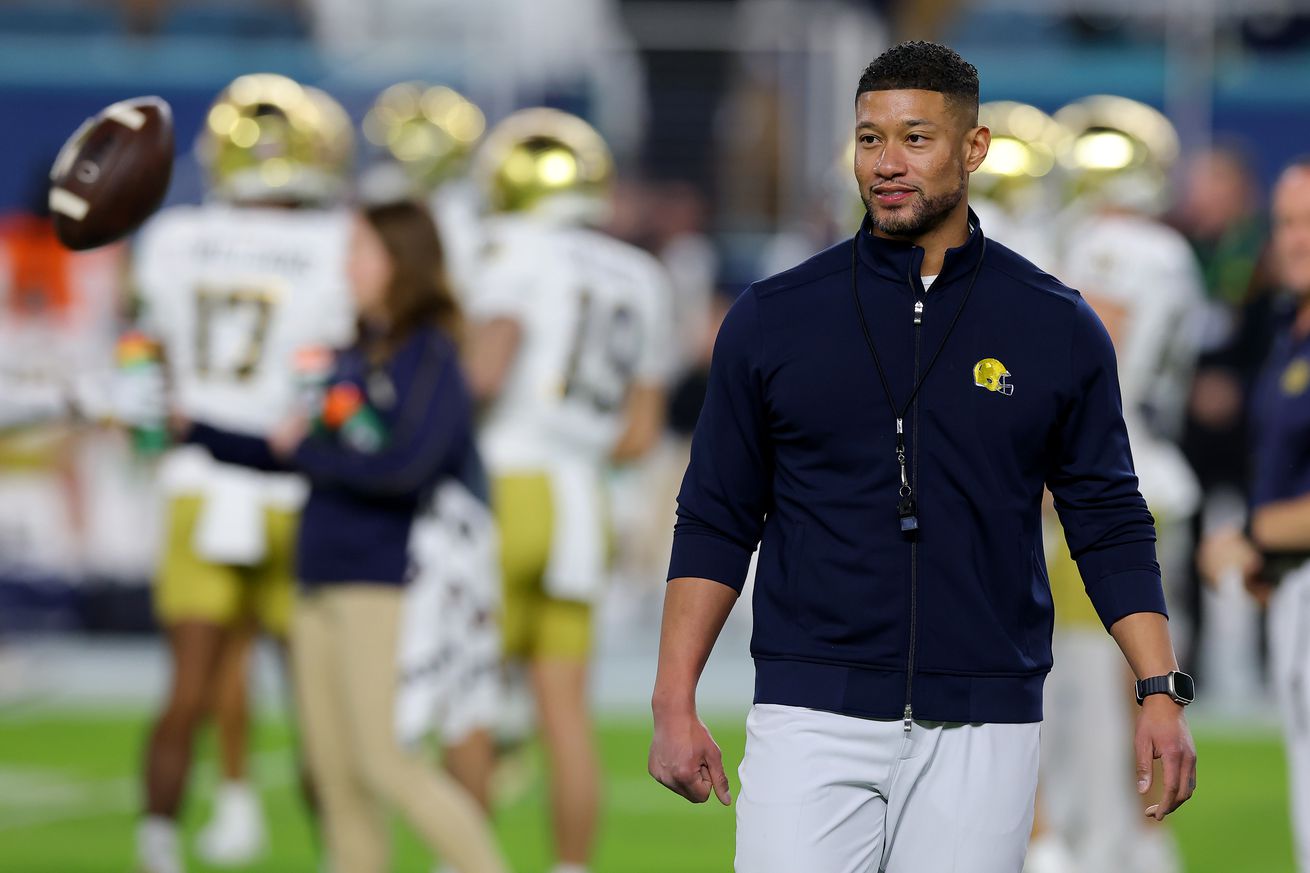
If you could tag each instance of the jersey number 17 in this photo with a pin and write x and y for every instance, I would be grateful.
(232, 327)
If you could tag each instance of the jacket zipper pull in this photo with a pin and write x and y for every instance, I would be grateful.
(918, 312)
(909, 717)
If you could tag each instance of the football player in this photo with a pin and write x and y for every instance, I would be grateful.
(570, 352)
(1013, 191)
(57, 324)
(1143, 281)
(427, 133)
(245, 294)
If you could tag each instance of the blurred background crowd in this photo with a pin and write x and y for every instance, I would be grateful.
(1134, 148)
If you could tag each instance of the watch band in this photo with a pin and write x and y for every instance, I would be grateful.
(1154, 685)
(1178, 685)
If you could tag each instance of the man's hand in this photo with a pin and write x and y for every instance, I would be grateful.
(1224, 551)
(685, 759)
(683, 756)
(1227, 552)
(1162, 733)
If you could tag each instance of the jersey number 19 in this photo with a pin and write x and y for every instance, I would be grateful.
(603, 354)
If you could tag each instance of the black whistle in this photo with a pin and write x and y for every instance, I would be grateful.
(909, 515)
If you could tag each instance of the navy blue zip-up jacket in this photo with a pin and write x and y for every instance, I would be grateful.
(795, 451)
(356, 522)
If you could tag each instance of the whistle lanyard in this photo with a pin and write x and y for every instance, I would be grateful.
(906, 507)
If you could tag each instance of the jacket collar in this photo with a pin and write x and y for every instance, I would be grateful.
(899, 261)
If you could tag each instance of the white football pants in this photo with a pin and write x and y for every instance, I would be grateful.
(827, 793)
(1289, 655)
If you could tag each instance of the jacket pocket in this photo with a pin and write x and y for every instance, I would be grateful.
(1043, 623)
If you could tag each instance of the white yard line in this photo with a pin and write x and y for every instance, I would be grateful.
(34, 797)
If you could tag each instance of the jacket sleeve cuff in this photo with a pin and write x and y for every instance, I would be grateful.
(1122, 587)
(309, 459)
(705, 556)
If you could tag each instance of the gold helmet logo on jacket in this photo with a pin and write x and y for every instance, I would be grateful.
(991, 374)
(1296, 378)
(547, 163)
(268, 138)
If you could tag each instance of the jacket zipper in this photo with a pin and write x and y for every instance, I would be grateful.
(914, 545)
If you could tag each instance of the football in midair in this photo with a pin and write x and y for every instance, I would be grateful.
(112, 173)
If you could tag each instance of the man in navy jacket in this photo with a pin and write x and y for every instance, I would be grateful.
(882, 420)
(1275, 559)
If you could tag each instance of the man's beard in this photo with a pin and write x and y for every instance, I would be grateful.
(924, 215)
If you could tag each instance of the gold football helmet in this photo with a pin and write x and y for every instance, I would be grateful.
(991, 374)
(1025, 142)
(428, 129)
(1119, 153)
(547, 162)
(268, 138)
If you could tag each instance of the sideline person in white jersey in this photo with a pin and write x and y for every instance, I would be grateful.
(245, 294)
(57, 331)
(570, 353)
(450, 641)
(887, 445)
(1141, 278)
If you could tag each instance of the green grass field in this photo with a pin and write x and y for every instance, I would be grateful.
(68, 795)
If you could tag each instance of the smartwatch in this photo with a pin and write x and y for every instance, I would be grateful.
(1178, 685)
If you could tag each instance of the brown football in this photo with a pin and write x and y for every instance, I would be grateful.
(112, 173)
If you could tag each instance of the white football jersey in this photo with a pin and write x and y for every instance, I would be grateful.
(1030, 233)
(596, 316)
(236, 295)
(455, 210)
(1150, 270)
(58, 320)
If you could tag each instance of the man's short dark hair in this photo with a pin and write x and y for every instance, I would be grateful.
(924, 66)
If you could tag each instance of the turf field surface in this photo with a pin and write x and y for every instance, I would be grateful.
(68, 794)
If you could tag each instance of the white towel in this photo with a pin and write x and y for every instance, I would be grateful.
(577, 566)
(423, 680)
(231, 529)
(455, 552)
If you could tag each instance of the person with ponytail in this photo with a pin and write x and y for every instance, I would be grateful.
(393, 419)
